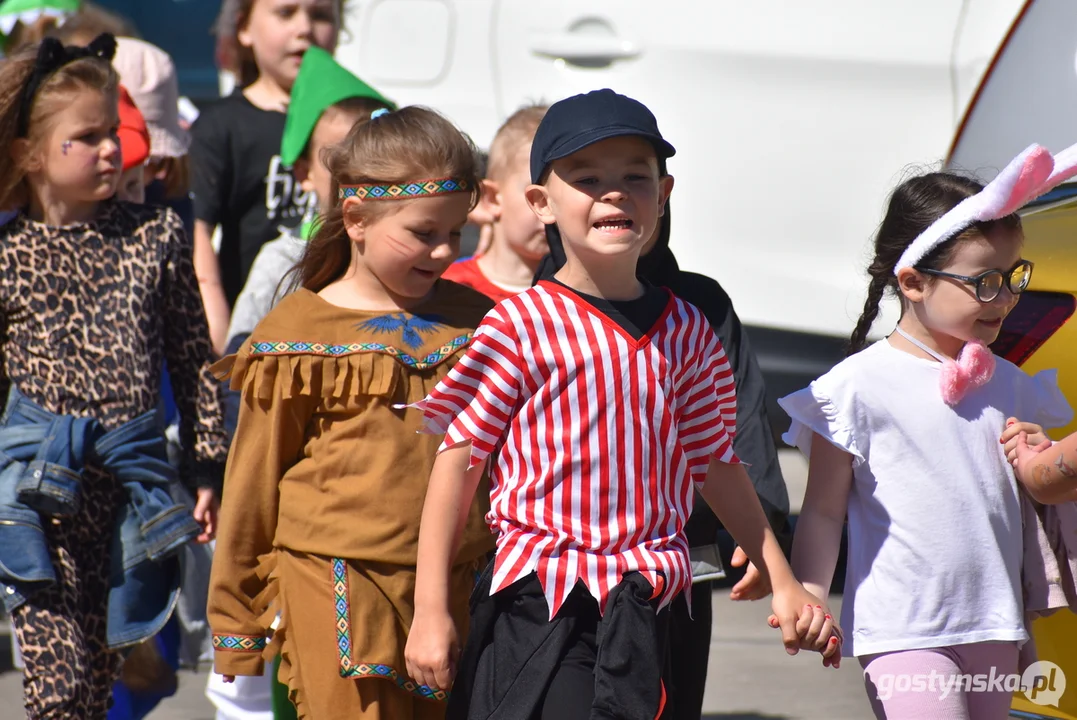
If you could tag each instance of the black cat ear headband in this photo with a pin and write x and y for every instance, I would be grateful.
(53, 55)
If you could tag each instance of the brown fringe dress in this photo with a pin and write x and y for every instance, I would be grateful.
(323, 494)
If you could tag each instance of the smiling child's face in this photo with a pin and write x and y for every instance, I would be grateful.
(606, 199)
(950, 306)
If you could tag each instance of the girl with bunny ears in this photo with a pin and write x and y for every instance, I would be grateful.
(909, 438)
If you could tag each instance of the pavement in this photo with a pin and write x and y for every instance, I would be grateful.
(749, 675)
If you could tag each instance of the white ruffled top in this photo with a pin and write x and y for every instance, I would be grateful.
(935, 537)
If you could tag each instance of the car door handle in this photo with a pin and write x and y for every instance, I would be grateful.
(584, 48)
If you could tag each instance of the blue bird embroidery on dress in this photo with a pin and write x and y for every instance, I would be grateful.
(412, 327)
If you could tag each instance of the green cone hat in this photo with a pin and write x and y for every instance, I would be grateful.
(28, 11)
(322, 82)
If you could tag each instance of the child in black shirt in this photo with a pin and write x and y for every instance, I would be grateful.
(238, 180)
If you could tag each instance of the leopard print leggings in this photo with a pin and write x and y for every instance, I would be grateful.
(62, 630)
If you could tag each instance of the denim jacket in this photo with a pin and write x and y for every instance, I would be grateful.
(41, 460)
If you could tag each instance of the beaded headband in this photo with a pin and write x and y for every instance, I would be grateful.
(420, 188)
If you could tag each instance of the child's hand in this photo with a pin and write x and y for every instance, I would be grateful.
(817, 619)
(1024, 455)
(832, 651)
(803, 621)
(432, 649)
(754, 585)
(1036, 437)
(205, 513)
(832, 654)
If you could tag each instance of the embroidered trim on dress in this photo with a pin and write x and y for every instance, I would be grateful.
(420, 363)
(344, 643)
(239, 643)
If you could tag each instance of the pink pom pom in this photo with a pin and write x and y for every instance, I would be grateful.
(973, 368)
(953, 382)
(979, 361)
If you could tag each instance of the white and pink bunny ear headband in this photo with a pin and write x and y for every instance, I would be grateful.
(1030, 175)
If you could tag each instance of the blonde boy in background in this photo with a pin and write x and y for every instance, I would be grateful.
(517, 237)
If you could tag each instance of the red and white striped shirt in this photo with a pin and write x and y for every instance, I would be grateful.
(598, 437)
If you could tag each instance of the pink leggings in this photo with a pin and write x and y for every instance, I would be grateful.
(935, 683)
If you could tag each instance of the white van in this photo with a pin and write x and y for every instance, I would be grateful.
(792, 119)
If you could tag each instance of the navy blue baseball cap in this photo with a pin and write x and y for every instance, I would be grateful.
(572, 124)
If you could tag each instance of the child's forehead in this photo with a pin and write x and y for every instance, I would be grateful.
(624, 150)
(89, 108)
(999, 247)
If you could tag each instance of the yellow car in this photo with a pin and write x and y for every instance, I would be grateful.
(1041, 333)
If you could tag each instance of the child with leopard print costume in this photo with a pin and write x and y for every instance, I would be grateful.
(95, 294)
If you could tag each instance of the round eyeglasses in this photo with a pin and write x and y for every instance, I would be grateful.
(989, 283)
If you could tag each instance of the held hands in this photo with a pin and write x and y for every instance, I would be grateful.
(807, 624)
(1037, 440)
(754, 585)
(1025, 454)
(433, 649)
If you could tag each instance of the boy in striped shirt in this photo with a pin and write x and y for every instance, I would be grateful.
(598, 402)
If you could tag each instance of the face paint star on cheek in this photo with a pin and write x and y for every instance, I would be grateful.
(66, 146)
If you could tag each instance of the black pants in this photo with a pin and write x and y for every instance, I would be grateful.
(689, 651)
(518, 664)
(572, 689)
